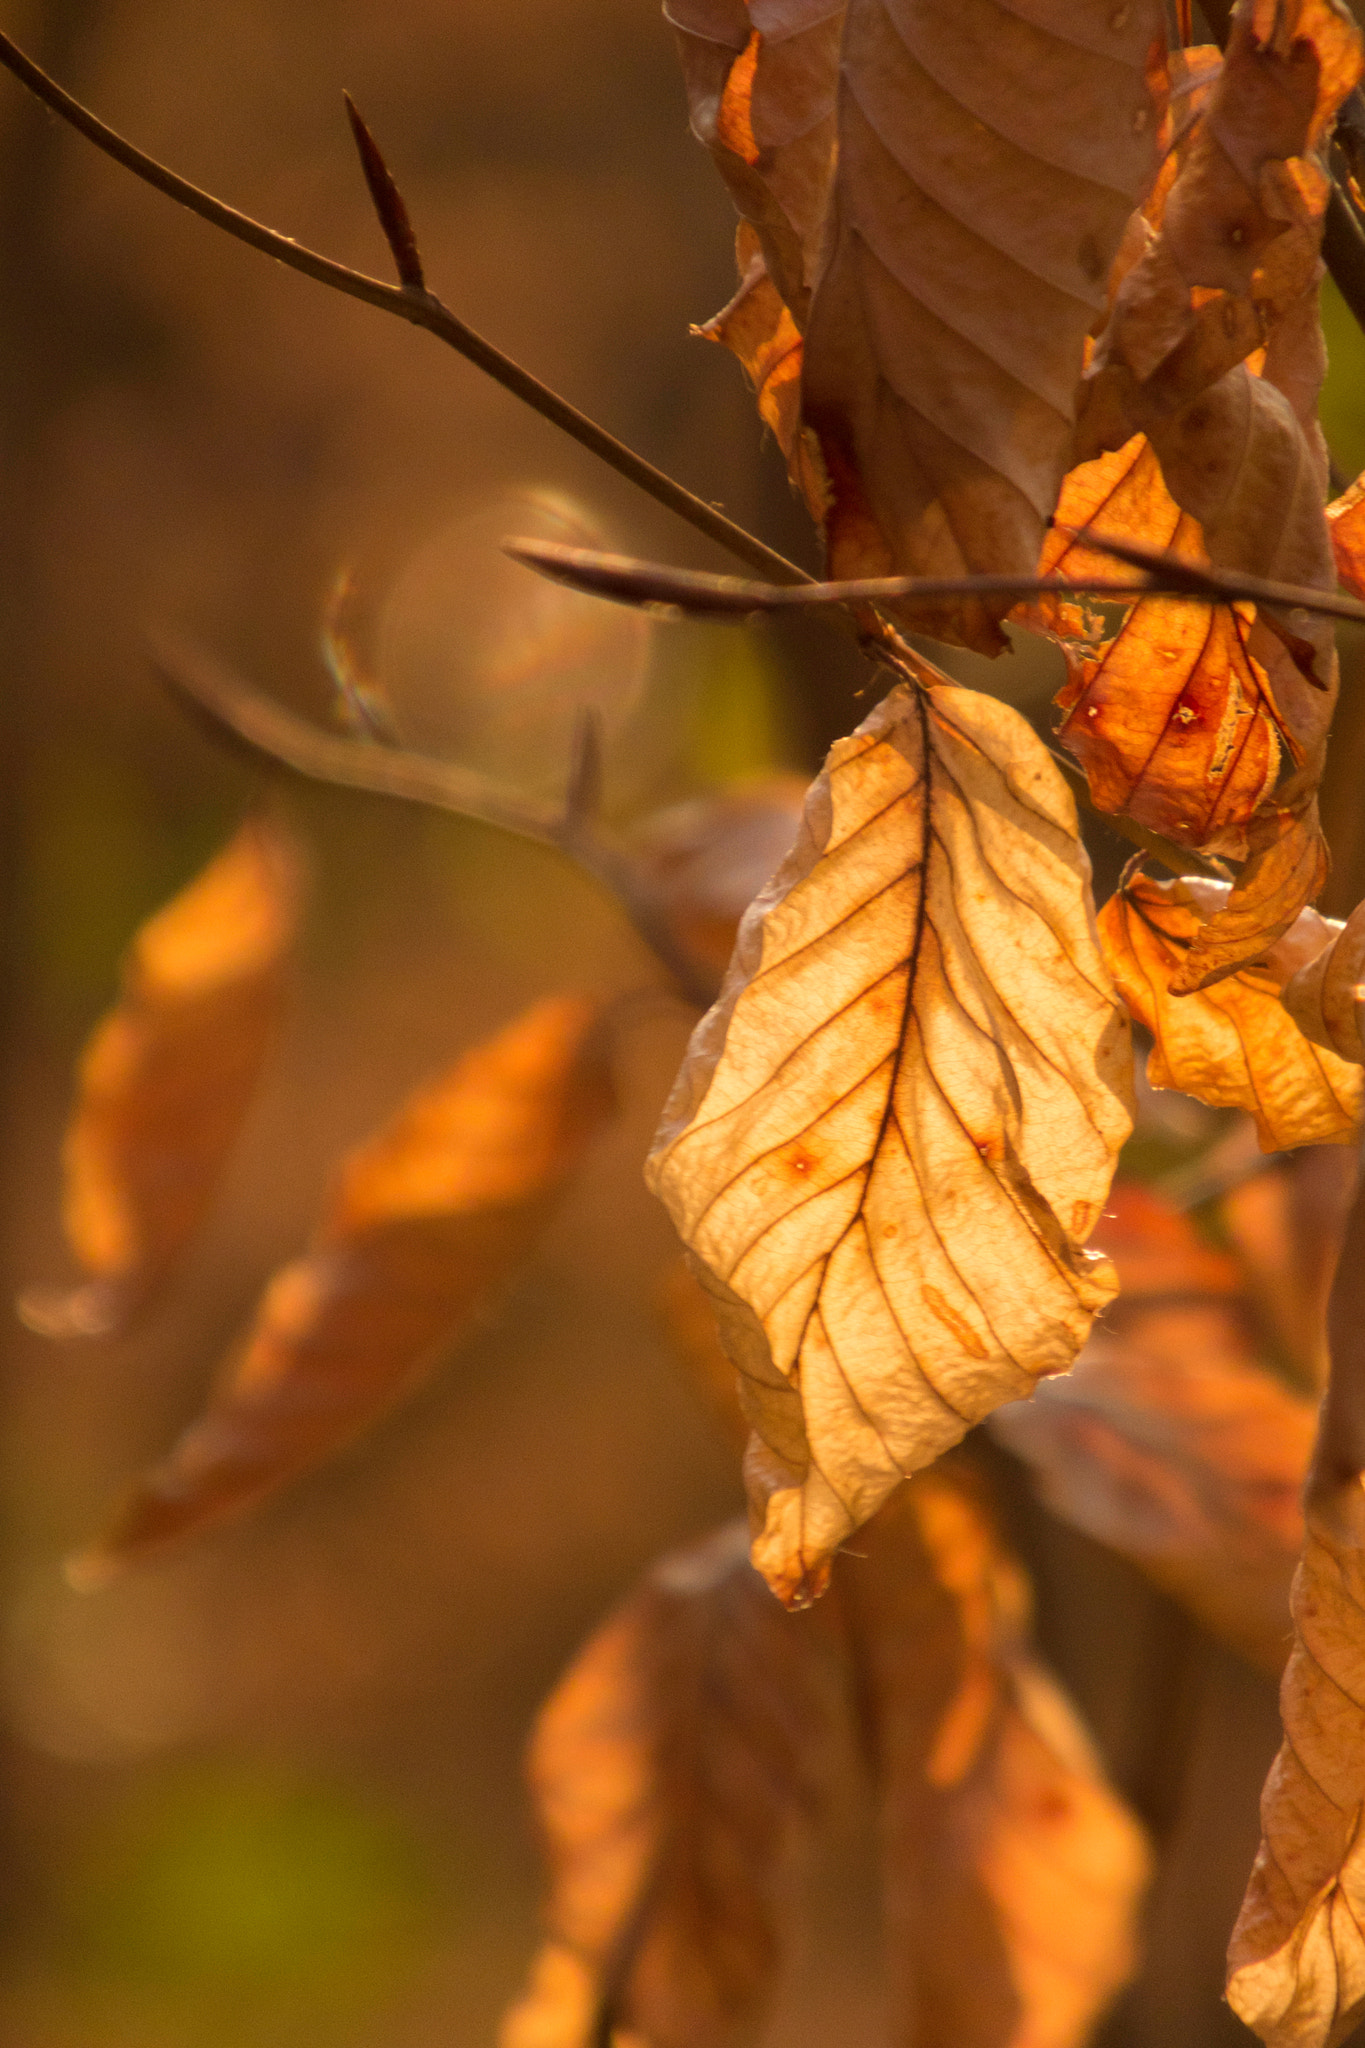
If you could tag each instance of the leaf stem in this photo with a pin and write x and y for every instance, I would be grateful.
(410, 302)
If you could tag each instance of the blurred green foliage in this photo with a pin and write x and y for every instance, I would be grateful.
(1343, 398)
(221, 1897)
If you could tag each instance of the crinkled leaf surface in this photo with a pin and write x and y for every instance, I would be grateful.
(1232, 1045)
(1169, 1439)
(425, 1218)
(893, 1135)
(168, 1076)
(989, 159)
(673, 1769)
(1296, 1965)
(1013, 1875)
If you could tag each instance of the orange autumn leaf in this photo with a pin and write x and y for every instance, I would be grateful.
(167, 1077)
(985, 176)
(674, 1769)
(1296, 1963)
(1013, 1874)
(758, 329)
(1346, 526)
(424, 1219)
(1232, 1045)
(1170, 1440)
(761, 81)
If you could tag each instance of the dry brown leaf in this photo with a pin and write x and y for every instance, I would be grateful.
(424, 1219)
(1014, 1876)
(1324, 996)
(989, 159)
(1232, 1045)
(706, 860)
(1346, 528)
(167, 1077)
(689, 1322)
(757, 328)
(673, 1768)
(1169, 1440)
(1296, 1965)
(894, 1133)
(761, 82)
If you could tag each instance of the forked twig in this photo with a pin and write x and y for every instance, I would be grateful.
(236, 711)
(410, 301)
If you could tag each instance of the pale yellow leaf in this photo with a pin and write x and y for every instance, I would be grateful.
(1324, 996)
(893, 1135)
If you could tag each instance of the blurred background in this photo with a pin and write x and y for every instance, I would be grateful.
(269, 1792)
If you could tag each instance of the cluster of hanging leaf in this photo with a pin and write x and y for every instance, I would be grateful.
(1009, 270)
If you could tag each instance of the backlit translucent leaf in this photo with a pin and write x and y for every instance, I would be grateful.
(893, 1135)
(1232, 1045)
(167, 1078)
(424, 1219)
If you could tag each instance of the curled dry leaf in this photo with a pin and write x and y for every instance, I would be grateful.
(1169, 1440)
(1324, 996)
(424, 1219)
(1014, 1876)
(893, 1135)
(673, 1768)
(1296, 1965)
(1346, 528)
(1232, 1045)
(989, 160)
(167, 1078)
(761, 80)
(707, 860)
(759, 330)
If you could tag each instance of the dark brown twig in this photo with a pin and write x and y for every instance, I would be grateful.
(234, 710)
(653, 583)
(420, 308)
(389, 203)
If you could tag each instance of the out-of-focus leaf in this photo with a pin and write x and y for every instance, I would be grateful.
(989, 160)
(167, 1078)
(672, 1769)
(761, 81)
(425, 1218)
(1296, 1965)
(708, 859)
(1324, 996)
(689, 1322)
(1014, 1875)
(894, 1133)
(1169, 1440)
(1232, 1045)
(757, 328)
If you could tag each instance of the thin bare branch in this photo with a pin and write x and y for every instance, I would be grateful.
(630, 581)
(420, 308)
(583, 791)
(235, 711)
(389, 203)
